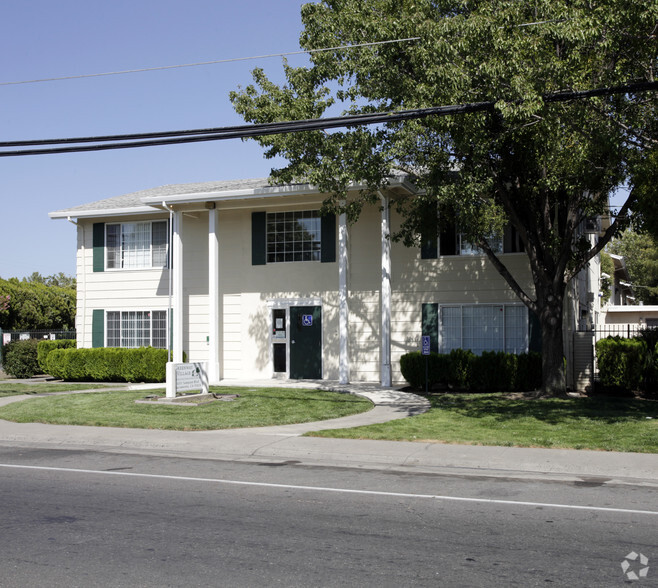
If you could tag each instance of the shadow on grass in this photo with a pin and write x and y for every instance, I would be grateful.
(296, 395)
(553, 411)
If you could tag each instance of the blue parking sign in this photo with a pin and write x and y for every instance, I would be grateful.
(426, 345)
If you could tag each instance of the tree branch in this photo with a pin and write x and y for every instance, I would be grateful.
(509, 278)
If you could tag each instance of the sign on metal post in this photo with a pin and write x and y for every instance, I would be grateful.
(426, 351)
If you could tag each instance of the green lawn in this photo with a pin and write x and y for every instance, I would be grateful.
(496, 419)
(254, 408)
(43, 388)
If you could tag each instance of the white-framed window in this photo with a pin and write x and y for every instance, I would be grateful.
(450, 242)
(293, 236)
(137, 328)
(483, 327)
(467, 248)
(137, 245)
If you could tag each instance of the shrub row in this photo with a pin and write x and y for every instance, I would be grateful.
(19, 358)
(629, 364)
(45, 347)
(108, 364)
(463, 370)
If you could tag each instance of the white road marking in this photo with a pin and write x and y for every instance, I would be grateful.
(336, 490)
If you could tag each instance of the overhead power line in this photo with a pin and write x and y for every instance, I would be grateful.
(202, 63)
(127, 141)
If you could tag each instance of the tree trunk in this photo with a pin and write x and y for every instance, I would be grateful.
(553, 370)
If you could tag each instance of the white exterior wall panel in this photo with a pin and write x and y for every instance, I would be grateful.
(247, 292)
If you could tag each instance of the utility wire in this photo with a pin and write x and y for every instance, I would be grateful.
(109, 142)
(251, 58)
(202, 63)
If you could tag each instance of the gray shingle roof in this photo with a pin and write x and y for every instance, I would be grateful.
(136, 199)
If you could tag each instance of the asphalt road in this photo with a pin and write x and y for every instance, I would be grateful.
(81, 518)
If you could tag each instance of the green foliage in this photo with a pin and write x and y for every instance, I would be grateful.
(413, 364)
(463, 370)
(460, 368)
(640, 251)
(20, 359)
(45, 347)
(108, 364)
(626, 364)
(37, 304)
(540, 165)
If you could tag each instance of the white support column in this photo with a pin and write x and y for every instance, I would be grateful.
(213, 296)
(386, 295)
(177, 294)
(344, 360)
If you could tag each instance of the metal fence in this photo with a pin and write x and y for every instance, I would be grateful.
(40, 334)
(584, 364)
(625, 330)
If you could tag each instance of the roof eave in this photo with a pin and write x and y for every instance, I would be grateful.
(131, 211)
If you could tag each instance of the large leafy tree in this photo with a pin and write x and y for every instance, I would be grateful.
(544, 166)
(37, 303)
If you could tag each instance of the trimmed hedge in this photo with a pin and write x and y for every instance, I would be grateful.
(45, 347)
(20, 358)
(628, 364)
(463, 370)
(108, 364)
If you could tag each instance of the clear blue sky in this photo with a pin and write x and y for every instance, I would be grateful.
(55, 38)
(46, 38)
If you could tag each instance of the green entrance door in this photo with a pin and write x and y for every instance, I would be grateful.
(306, 342)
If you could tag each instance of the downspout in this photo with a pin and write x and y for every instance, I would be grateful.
(83, 273)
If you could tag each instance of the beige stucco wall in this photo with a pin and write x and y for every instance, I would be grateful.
(630, 315)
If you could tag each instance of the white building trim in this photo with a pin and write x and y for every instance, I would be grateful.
(385, 373)
(177, 293)
(213, 297)
(343, 310)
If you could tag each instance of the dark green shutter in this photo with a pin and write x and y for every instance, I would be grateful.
(98, 328)
(430, 324)
(258, 228)
(98, 241)
(328, 238)
(429, 233)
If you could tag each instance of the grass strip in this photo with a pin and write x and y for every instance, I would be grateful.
(254, 408)
(606, 424)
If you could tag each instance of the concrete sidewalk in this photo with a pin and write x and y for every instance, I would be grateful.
(285, 444)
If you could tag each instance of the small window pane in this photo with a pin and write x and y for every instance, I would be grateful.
(113, 329)
(159, 244)
(112, 245)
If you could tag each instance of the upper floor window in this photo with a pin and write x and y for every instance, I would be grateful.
(450, 242)
(136, 245)
(304, 235)
(293, 236)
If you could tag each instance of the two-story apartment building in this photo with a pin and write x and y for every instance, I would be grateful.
(252, 279)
